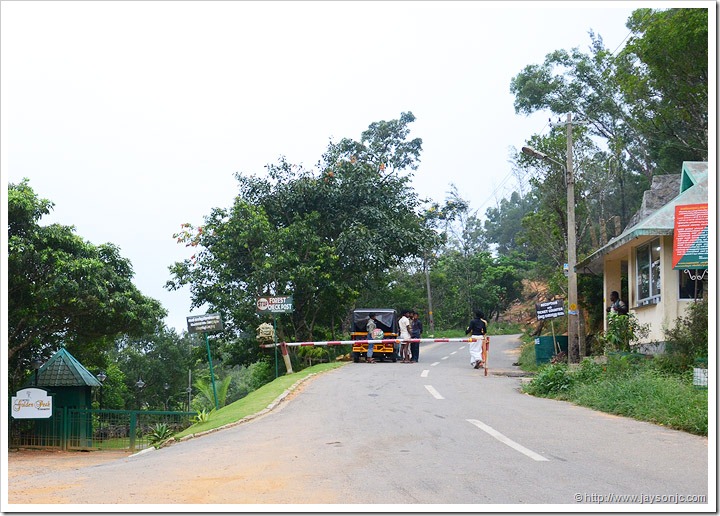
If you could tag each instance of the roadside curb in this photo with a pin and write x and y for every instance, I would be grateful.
(274, 404)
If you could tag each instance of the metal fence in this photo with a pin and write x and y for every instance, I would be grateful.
(92, 429)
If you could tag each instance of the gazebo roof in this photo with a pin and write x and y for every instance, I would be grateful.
(63, 370)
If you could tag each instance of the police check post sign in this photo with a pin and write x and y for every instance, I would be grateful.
(274, 304)
(549, 309)
(204, 323)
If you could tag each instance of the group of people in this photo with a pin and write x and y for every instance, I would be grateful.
(410, 328)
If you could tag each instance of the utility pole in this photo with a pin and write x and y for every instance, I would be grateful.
(573, 309)
(431, 321)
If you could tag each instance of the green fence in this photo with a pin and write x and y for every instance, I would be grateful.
(91, 429)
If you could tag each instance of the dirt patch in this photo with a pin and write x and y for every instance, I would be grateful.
(27, 463)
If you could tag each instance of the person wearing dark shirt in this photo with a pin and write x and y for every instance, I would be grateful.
(415, 333)
(477, 328)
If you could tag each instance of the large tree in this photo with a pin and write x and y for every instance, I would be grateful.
(321, 235)
(65, 291)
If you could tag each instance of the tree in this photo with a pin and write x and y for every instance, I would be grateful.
(63, 290)
(322, 235)
(663, 74)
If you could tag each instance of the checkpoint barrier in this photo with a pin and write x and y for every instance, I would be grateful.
(486, 344)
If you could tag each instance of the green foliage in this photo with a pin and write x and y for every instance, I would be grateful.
(159, 434)
(203, 416)
(205, 386)
(321, 234)
(589, 372)
(687, 340)
(63, 290)
(553, 380)
(623, 333)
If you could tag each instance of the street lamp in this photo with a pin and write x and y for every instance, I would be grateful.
(36, 365)
(102, 377)
(167, 399)
(573, 312)
(139, 384)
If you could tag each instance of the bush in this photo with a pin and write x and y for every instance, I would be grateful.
(160, 433)
(688, 339)
(623, 332)
(552, 380)
(589, 372)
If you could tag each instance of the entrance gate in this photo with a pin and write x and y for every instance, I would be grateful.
(92, 429)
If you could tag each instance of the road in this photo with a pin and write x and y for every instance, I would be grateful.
(436, 432)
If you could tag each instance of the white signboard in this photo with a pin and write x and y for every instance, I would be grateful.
(31, 404)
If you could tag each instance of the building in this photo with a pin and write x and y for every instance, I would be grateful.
(639, 263)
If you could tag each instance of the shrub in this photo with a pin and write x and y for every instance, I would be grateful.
(589, 372)
(623, 332)
(551, 380)
(688, 339)
(159, 434)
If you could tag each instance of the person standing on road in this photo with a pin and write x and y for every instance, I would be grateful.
(405, 325)
(371, 326)
(415, 333)
(477, 327)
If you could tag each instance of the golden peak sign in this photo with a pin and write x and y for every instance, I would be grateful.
(31, 404)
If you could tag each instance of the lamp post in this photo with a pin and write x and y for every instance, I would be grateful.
(36, 365)
(102, 377)
(167, 399)
(139, 384)
(573, 311)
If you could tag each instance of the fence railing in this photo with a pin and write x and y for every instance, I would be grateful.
(93, 429)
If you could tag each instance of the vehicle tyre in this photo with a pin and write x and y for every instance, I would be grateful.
(356, 357)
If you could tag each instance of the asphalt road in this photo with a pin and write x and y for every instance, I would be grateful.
(398, 435)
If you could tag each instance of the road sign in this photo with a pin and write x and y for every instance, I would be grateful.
(274, 304)
(549, 309)
(204, 323)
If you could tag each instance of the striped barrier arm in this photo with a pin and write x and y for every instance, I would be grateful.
(381, 341)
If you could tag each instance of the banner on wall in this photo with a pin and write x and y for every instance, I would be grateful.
(690, 237)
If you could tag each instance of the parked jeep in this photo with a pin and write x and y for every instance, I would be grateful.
(387, 321)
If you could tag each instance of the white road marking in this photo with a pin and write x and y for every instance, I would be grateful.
(425, 373)
(506, 440)
(434, 364)
(435, 393)
(444, 358)
(453, 352)
(462, 347)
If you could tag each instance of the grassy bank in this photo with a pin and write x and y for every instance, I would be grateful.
(254, 402)
(629, 387)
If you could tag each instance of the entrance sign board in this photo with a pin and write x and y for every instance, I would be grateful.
(204, 323)
(274, 304)
(31, 404)
(690, 237)
(549, 309)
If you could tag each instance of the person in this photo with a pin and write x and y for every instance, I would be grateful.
(405, 325)
(415, 333)
(617, 305)
(477, 327)
(371, 326)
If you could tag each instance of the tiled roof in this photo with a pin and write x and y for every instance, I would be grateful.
(63, 370)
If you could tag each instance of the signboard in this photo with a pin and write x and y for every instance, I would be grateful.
(549, 309)
(204, 323)
(274, 305)
(31, 404)
(690, 238)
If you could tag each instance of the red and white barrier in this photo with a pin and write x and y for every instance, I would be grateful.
(381, 341)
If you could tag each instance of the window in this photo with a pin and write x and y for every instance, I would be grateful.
(688, 279)
(647, 259)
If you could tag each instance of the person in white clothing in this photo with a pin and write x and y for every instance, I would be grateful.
(405, 325)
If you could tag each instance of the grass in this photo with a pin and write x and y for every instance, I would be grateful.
(256, 401)
(624, 387)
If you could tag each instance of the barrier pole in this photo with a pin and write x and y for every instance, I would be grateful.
(286, 358)
(485, 350)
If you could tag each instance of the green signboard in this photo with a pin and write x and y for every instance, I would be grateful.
(274, 305)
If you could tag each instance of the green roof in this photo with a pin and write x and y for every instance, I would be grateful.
(63, 370)
(693, 190)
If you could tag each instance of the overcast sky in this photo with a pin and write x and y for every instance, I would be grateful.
(133, 117)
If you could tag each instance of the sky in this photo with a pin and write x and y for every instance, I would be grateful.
(133, 117)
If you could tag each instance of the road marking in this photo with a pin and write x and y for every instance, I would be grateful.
(462, 347)
(506, 440)
(425, 373)
(435, 393)
(434, 364)
(444, 358)
(453, 352)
